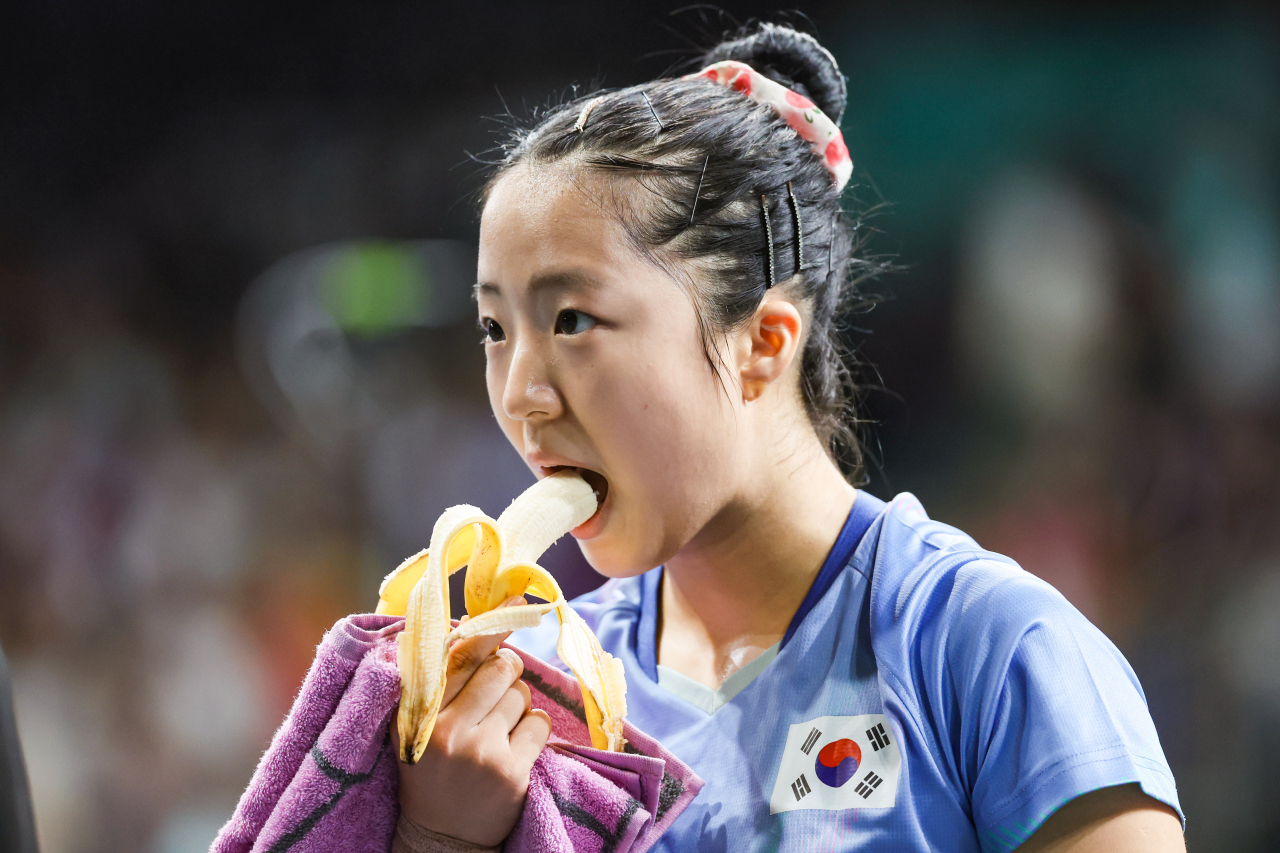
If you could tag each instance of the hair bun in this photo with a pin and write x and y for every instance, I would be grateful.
(792, 58)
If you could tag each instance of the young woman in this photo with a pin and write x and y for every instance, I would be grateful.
(660, 274)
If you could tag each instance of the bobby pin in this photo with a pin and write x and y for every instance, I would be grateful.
(831, 244)
(661, 126)
(768, 241)
(795, 211)
(698, 191)
(586, 111)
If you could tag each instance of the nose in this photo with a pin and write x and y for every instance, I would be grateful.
(529, 393)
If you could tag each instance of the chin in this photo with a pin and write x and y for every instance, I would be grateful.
(612, 563)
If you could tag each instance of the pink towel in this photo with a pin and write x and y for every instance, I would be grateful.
(328, 781)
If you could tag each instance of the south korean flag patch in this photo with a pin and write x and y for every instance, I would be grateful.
(838, 763)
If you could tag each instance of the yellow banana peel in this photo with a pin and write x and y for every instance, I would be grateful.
(500, 557)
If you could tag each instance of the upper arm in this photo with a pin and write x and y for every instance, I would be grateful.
(1039, 711)
(1119, 819)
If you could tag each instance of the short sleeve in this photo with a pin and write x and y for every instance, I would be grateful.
(1045, 705)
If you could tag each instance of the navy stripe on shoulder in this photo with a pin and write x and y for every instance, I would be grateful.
(647, 629)
(866, 509)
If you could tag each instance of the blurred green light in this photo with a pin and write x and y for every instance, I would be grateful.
(375, 288)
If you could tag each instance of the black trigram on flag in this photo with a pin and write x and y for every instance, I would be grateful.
(868, 784)
(810, 741)
(800, 787)
(878, 737)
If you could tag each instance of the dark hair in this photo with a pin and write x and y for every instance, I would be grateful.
(706, 155)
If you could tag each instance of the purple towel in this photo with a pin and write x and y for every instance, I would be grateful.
(328, 780)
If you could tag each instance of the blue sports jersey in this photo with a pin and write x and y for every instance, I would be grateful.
(929, 695)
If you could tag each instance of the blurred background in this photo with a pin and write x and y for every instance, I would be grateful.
(240, 377)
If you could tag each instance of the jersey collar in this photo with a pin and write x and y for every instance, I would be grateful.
(866, 508)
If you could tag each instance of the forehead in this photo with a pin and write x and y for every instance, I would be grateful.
(539, 219)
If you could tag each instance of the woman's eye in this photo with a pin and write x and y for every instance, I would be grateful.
(492, 331)
(570, 321)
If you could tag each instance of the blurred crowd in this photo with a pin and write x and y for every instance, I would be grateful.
(1078, 363)
(173, 553)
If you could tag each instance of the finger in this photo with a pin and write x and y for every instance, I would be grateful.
(485, 689)
(528, 697)
(466, 656)
(510, 709)
(529, 737)
(513, 705)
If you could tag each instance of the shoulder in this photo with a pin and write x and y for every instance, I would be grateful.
(935, 591)
(1021, 702)
(950, 617)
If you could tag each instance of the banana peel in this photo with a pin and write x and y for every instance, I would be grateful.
(501, 561)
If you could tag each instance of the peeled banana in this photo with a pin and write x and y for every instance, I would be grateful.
(500, 557)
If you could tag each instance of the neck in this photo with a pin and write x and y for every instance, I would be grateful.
(732, 591)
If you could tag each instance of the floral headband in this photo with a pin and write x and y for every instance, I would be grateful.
(804, 117)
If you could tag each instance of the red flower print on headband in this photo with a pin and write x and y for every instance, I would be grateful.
(800, 113)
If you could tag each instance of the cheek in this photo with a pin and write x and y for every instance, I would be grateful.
(670, 464)
(496, 382)
(664, 427)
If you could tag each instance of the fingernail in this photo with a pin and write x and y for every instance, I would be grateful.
(511, 658)
(513, 601)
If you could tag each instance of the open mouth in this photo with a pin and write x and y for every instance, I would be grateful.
(594, 479)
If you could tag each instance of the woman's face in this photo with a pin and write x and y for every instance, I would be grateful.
(595, 362)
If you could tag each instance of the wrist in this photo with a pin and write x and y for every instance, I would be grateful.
(413, 838)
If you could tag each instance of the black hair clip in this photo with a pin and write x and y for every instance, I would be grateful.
(795, 212)
(768, 241)
(831, 246)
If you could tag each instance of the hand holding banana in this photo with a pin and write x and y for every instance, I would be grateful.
(500, 559)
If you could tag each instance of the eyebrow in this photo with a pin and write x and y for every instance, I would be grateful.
(561, 280)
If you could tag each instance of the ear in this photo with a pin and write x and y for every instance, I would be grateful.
(768, 346)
